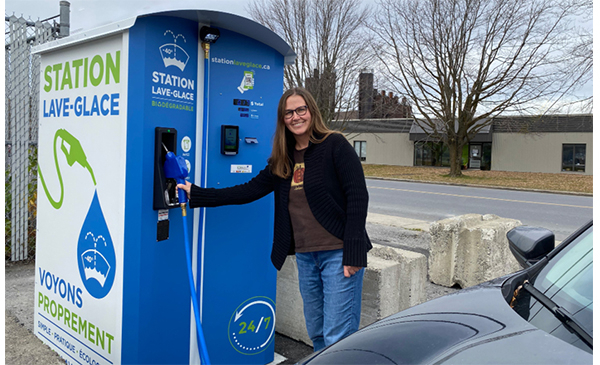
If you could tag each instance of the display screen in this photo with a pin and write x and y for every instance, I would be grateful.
(230, 138)
(241, 102)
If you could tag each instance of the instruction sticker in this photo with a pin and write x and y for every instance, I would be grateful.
(241, 169)
(163, 215)
(247, 82)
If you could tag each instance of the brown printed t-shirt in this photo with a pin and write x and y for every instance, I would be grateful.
(309, 235)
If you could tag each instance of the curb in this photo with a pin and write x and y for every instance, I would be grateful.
(482, 186)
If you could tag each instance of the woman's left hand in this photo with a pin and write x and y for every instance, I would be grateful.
(350, 270)
(186, 187)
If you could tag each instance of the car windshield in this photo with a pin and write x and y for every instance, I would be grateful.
(567, 280)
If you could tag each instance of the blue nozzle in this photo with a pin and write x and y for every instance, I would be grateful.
(176, 168)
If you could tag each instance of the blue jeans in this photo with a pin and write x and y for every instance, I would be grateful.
(331, 300)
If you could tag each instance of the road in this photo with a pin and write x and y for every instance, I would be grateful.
(560, 213)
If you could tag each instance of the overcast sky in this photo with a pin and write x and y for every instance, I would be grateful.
(89, 14)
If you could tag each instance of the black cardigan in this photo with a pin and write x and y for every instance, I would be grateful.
(336, 191)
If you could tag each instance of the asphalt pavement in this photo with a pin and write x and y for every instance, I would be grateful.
(560, 213)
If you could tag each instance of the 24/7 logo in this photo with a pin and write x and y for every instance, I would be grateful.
(252, 326)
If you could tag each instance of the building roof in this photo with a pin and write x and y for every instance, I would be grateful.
(424, 133)
(562, 123)
(505, 124)
(392, 125)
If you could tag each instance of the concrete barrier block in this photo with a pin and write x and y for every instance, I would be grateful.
(470, 249)
(412, 277)
(380, 296)
(394, 280)
(290, 309)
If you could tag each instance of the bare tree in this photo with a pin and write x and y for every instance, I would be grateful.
(463, 62)
(327, 36)
(579, 54)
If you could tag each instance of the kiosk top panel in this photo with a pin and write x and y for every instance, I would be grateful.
(212, 18)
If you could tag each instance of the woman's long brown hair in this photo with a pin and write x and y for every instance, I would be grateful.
(284, 140)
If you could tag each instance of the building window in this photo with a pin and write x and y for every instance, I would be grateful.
(431, 154)
(573, 157)
(486, 157)
(361, 149)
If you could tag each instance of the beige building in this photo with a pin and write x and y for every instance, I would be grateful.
(552, 144)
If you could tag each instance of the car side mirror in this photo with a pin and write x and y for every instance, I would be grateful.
(530, 244)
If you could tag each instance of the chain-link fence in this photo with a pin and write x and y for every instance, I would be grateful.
(22, 79)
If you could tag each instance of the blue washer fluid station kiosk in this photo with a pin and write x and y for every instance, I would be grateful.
(111, 283)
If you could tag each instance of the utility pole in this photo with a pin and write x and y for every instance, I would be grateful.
(65, 23)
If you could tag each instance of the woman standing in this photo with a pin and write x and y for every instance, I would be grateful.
(321, 205)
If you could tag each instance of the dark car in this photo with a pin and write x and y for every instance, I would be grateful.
(540, 315)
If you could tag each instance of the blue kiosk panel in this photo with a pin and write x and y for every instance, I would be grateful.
(246, 82)
(236, 279)
(163, 67)
(155, 83)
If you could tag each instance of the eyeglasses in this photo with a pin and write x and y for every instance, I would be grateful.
(289, 114)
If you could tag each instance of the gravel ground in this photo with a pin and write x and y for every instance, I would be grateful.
(22, 347)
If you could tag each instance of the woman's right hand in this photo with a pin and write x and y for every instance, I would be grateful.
(187, 187)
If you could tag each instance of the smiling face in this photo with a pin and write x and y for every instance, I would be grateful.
(299, 125)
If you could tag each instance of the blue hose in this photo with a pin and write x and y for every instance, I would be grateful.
(200, 334)
(175, 168)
